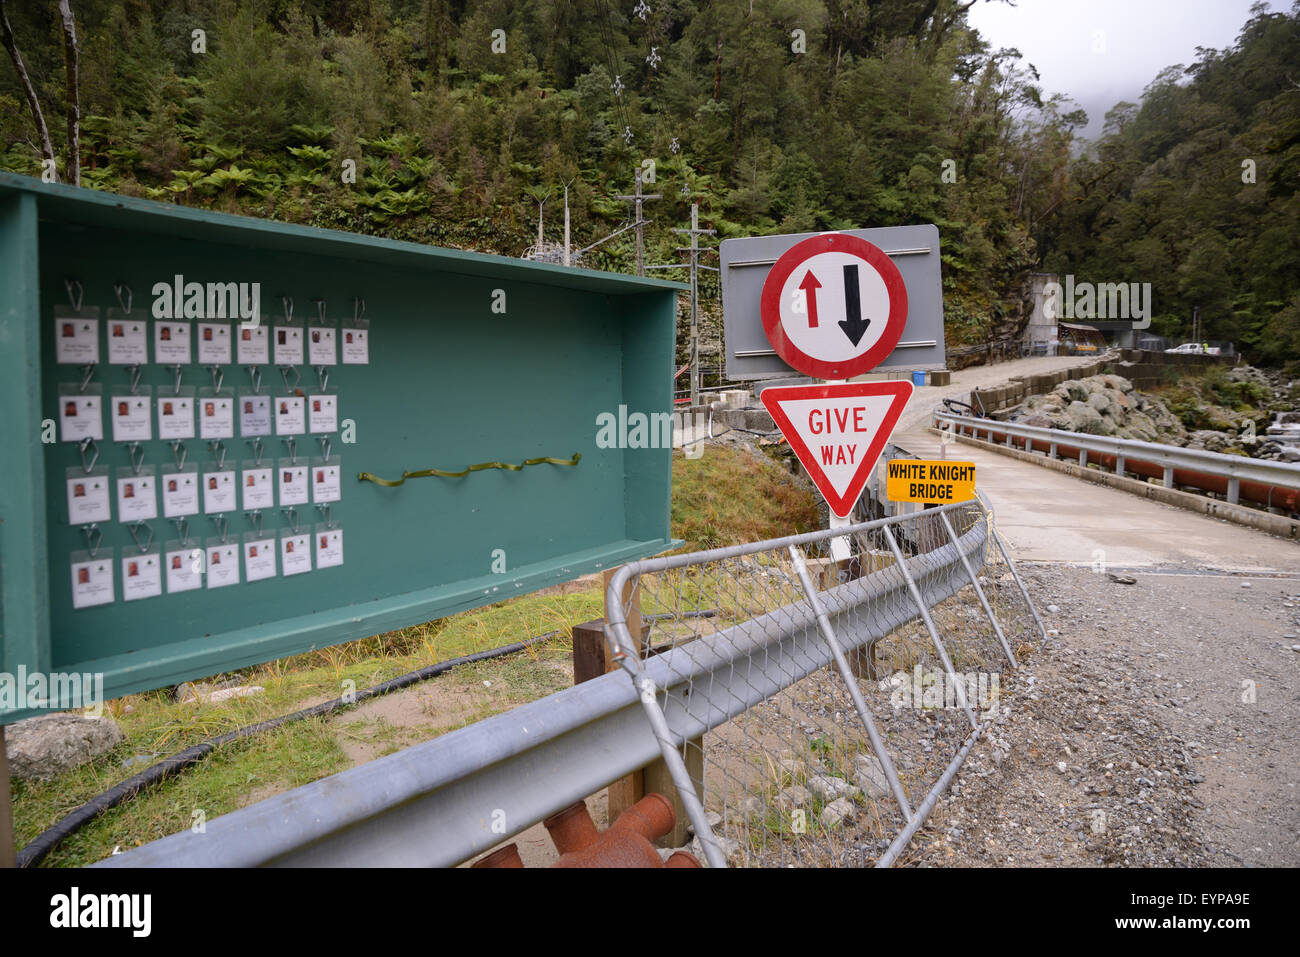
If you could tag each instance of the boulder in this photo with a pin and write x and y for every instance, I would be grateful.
(837, 812)
(44, 747)
(870, 776)
(792, 797)
(828, 788)
(1082, 418)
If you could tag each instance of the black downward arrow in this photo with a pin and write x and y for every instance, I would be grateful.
(855, 327)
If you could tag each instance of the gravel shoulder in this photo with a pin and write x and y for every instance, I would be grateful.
(1156, 729)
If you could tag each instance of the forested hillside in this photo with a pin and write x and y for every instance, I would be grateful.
(1195, 191)
(773, 115)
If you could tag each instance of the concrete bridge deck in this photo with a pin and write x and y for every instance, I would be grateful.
(1047, 516)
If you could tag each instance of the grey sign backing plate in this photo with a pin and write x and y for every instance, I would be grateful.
(746, 262)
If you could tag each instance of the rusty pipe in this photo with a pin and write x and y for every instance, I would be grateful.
(682, 859)
(1261, 493)
(651, 817)
(507, 856)
(625, 843)
(572, 829)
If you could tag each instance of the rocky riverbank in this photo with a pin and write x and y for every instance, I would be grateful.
(1240, 411)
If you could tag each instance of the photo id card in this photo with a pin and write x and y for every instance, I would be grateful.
(293, 482)
(326, 484)
(180, 493)
(290, 415)
(321, 349)
(223, 564)
(81, 415)
(259, 558)
(356, 345)
(253, 345)
(295, 553)
(76, 336)
(171, 343)
(216, 416)
(92, 580)
(88, 496)
(257, 486)
(176, 416)
(184, 568)
(323, 413)
(128, 339)
(219, 492)
(214, 343)
(288, 345)
(132, 416)
(254, 415)
(137, 494)
(329, 546)
(141, 574)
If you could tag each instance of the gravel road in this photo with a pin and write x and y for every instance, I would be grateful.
(1157, 729)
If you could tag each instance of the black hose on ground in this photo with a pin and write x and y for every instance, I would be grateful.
(49, 839)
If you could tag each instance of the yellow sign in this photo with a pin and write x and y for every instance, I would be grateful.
(930, 481)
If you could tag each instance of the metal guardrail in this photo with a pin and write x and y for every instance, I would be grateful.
(445, 801)
(1170, 459)
(841, 653)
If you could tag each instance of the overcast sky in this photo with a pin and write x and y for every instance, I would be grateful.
(1135, 40)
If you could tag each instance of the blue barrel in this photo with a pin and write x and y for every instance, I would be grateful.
(918, 377)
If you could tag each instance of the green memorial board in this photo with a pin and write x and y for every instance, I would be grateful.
(227, 440)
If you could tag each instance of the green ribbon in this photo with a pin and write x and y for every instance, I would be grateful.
(480, 467)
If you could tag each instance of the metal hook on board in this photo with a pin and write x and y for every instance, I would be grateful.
(292, 515)
(94, 536)
(179, 447)
(358, 308)
(88, 372)
(293, 449)
(222, 524)
(182, 529)
(255, 377)
(136, 373)
(86, 445)
(136, 451)
(255, 519)
(177, 369)
(287, 303)
(134, 528)
(257, 451)
(327, 513)
(218, 450)
(218, 377)
(118, 288)
(320, 310)
(297, 377)
(323, 377)
(325, 446)
(74, 299)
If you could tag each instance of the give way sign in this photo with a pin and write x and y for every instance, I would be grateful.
(838, 431)
(834, 306)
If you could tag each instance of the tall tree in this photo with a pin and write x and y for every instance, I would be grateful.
(25, 80)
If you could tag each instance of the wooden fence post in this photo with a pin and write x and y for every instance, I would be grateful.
(8, 848)
(590, 660)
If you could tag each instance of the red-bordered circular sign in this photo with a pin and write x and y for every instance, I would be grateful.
(834, 306)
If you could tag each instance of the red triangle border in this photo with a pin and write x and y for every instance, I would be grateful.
(899, 391)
